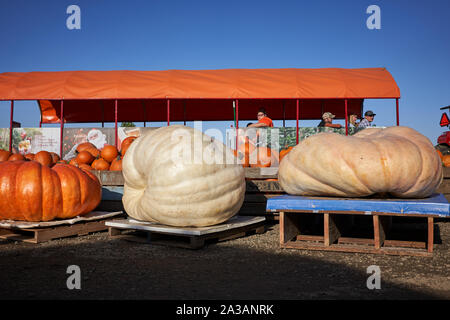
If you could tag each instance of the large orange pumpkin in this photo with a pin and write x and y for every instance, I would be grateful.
(33, 192)
(16, 156)
(44, 158)
(4, 155)
(109, 153)
(93, 150)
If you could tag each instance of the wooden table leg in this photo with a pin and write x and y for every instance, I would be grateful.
(430, 234)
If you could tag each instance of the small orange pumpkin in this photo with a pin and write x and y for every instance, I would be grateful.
(126, 144)
(29, 156)
(4, 155)
(44, 158)
(100, 164)
(16, 156)
(73, 162)
(84, 145)
(284, 152)
(116, 165)
(446, 160)
(109, 153)
(84, 157)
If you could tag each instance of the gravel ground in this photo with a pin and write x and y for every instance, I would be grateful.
(251, 267)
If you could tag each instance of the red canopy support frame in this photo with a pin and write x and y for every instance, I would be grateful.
(61, 130)
(397, 112)
(237, 123)
(11, 115)
(298, 113)
(346, 118)
(168, 112)
(116, 138)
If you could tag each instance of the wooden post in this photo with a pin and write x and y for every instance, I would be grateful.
(330, 230)
(430, 234)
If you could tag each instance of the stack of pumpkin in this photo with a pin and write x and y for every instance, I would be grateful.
(259, 157)
(45, 158)
(108, 158)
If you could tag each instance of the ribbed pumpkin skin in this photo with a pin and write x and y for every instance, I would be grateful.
(30, 191)
(396, 160)
(179, 193)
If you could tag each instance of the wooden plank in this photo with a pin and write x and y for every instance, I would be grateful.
(356, 248)
(263, 186)
(261, 173)
(430, 234)
(289, 227)
(331, 231)
(446, 172)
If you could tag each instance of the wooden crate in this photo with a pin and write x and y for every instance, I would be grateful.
(184, 237)
(53, 230)
(298, 231)
(444, 188)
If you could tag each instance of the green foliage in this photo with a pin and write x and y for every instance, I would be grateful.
(127, 124)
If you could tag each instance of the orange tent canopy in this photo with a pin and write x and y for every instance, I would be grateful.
(197, 94)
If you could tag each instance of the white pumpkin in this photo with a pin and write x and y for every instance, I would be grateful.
(395, 160)
(171, 178)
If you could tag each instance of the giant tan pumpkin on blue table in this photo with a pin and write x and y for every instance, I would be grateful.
(179, 176)
(398, 161)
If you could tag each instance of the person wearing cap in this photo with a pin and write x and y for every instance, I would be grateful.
(327, 121)
(368, 118)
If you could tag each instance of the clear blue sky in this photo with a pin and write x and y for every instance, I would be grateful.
(413, 43)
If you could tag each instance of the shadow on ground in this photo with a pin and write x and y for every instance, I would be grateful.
(237, 269)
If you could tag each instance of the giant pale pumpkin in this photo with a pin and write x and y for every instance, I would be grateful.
(396, 160)
(171, 178)
(30, 191)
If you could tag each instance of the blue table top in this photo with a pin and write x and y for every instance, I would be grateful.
(437, 205)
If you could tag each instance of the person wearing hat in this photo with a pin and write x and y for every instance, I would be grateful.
(368, 118)
(327, 121)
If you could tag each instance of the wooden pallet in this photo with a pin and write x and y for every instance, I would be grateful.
(297, 231)
(184, 237)
(47, 233)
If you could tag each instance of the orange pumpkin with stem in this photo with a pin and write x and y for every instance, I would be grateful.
(126, 144)
(116, 165)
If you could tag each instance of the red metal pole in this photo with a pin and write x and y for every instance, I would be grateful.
(398, 118)
(168, 112)
(11, 126)
(297, 120)
(237, 123)
(346, 118)
(61, 135)
(116, 139)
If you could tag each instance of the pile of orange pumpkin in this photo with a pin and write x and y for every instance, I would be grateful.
(444, 158)
(45, 158)
(108, 158)
(265, 157)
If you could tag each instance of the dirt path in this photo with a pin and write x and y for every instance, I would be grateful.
(252, 267)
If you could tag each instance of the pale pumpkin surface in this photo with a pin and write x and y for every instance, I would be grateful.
(395, 160)
(164, 188)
